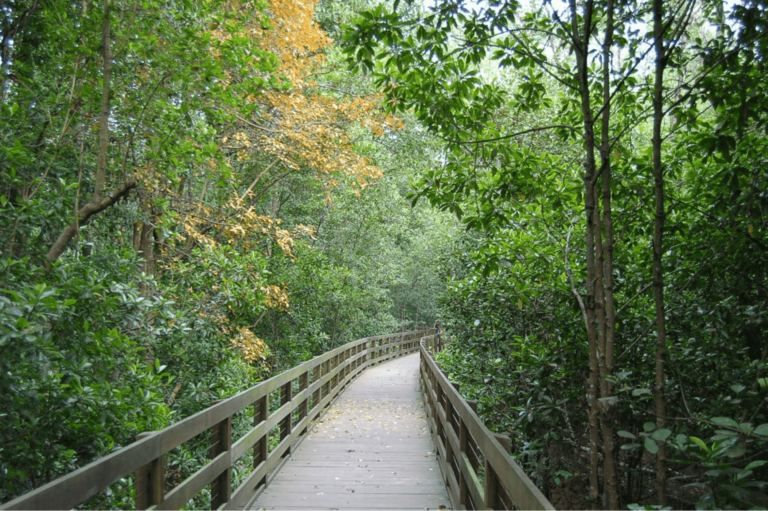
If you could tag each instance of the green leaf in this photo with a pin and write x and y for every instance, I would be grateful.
(626, 434)
(755, 464)
(736, 451)
(700, 443)
(651, 446)
(640, 392)
(761, 430)
(661, 434)
(649, 426)
(726, 422)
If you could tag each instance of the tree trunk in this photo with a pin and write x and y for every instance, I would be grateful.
(582, 54)
(658, 282)
(610, 473)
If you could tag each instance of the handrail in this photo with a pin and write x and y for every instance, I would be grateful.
(475, 462)
(319, 381)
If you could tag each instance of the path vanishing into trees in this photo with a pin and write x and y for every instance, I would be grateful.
(372, 449)
(372, 424)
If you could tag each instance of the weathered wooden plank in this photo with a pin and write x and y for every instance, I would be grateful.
(354, 500)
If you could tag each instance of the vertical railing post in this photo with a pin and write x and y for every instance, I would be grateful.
(286, 395)
(261, 448)
(316, 374)
(463, 442)
(449, 465)
(491, 491)
(438, 403)
(335, 379)
(327, 385)
(304, 406)
(150, 479)
(221, 441)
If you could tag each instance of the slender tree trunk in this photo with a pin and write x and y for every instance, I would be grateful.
(581, 48)
(658, 234)
(101, 162)
(610, 472)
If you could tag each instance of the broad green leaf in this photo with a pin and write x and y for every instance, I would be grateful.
(661, 434)
(725, 421)
(651, 446)
(626, 434)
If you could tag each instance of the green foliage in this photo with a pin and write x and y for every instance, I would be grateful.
(499, 85)
(236, 251)
(75, 383)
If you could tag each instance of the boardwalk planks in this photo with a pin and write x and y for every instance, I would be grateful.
(371, 450)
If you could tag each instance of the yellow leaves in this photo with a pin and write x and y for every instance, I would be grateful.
(306, 230)
(252, 348)
(277, 297)
(242, 138)
(312, 131)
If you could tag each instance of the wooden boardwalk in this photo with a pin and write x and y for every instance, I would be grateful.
(371, 450)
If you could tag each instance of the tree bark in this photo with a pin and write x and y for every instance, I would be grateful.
(607, 357)
(581, 48)
(658, 235)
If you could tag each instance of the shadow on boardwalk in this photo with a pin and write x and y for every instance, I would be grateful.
(371, 450)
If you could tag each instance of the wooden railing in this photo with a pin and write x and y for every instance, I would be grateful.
(317, 383)
(475, 462)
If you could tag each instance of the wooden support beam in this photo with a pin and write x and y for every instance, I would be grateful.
(221, 442)
(150, 480)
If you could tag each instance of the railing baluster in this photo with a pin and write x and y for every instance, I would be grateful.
(221, 441)
(327, 385)
(286, 394)
(490, 486)
(316, 373)
(463, 435)
(304, 405)
(261, 447)
(150, 480)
